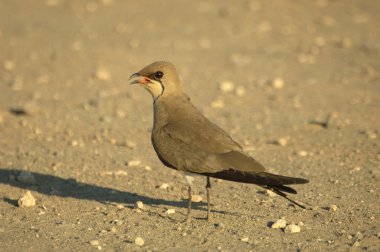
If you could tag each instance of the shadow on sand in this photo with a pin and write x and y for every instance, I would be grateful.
(52, 185)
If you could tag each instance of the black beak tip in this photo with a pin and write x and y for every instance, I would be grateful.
(133, 78)
(135, 75)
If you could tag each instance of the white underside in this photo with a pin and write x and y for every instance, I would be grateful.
(190, 177)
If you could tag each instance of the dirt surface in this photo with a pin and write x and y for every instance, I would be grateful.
(304, 102)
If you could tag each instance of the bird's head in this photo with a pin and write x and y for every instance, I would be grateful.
(159, 78)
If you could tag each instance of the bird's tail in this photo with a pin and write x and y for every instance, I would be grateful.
(273, 182)
(276, 183)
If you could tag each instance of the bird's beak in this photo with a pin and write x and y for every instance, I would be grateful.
(136, 78)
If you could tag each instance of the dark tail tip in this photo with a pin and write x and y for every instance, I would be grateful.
(301, 181)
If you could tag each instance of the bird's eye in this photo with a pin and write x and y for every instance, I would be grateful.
(158, 75)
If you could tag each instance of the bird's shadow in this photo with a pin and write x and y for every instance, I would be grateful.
(68, 187)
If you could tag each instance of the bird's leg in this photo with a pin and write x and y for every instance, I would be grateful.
(188, 217)
(208, 189)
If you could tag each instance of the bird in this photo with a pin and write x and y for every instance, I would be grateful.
(185, 140)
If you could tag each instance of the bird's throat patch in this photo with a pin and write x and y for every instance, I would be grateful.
(155, 88)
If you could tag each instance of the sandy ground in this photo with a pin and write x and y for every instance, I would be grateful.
(304, 74)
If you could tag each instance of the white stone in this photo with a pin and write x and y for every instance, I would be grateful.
(278, 83)
(292, 228)
(270, 193)
(218, 103)
(226, 86)
(170, 211)
(94, 242)
(103, 74)
(302, 153)
(245, 239)
(196, 198)
(333, 208)
(120, 206)
(139, 205)
(240, 91)
(27, 200)
(280, 223)
(132, 163)
(282, 141)
(120, 173)
(164, 186)
(139, 241)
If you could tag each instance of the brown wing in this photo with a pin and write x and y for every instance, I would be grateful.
(189, 141)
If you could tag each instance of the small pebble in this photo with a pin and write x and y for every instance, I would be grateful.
(280, 223)
(356, 244)
(240, 91)
(359, 236)
(170, 211)
(218, 103)
(270, 193)
(371, 134)
(103, 74)
(9, 65)
(120, 206)
(292, 228)
(244, 239)
(120, 173)
(333, 208)
(139, 241)
(26, 178)
(226, 86)
(164, 186)
(29, 108)
(196, 198)
(139, 205)
(133, 163)
(94, 242)
(320, 41)
(282, 141)
(302, 153)
(277, 83)
(130, 144)
(27, 200)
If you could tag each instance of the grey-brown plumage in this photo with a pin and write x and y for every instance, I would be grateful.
(185, 140)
